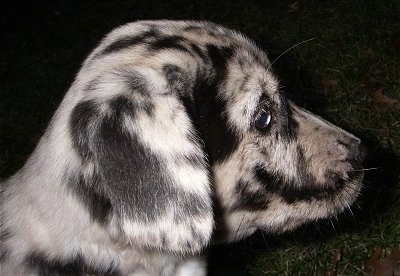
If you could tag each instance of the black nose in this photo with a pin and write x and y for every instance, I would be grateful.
(360, 153)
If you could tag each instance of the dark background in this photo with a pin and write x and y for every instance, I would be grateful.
(355, 51)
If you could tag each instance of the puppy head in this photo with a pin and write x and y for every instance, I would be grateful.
(275, 165)
(166, 112)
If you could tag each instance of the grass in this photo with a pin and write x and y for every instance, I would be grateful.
(354, 52)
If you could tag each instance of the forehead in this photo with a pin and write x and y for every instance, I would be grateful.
(248, 82)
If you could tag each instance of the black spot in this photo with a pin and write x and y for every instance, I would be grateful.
(196, 135)
(178, 80)
(133, 177)
(169, 42)
(250, 200)
(129, 41)
(91, 191)
(305, 188)
(136, 178)
(128, 178)
(82, 116)
(190, 107)
(289, 127)
(196, 49)
(220, 139)
(121, 106)
(220, 56)
(39, 264)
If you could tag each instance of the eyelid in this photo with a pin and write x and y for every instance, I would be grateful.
(263, 106)
(264, 101)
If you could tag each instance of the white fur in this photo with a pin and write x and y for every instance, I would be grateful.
(42, 213)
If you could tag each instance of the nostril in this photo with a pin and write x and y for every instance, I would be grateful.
(361, 153)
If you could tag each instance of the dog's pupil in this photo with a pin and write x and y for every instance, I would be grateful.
(263, 120)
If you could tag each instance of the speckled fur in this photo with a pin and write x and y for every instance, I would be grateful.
(159, 122)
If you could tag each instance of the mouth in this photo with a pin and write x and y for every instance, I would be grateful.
(307, 189)
(339, 180)
(326, 203)
(342, 189)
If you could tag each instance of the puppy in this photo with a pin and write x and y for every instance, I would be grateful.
(173, 134)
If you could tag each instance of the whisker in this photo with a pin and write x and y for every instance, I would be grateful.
(264, 239)
(351, 211)
(294, 46)
(357, 205)
(367, 169)
(333, 225)
(240, 225)
(317, 226)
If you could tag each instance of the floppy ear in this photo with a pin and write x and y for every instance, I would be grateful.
(149, 165)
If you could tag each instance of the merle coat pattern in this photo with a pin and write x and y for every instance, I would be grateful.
(172, 136)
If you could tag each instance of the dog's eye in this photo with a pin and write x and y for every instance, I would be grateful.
(263, 119)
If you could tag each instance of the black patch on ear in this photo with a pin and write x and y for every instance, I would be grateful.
(129, 41)
(306, 188)
(39, 264)
(169, 42)
(250, 200)
(136, 179)
(221, 140)
(131, 174)
(128, 178)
